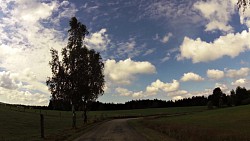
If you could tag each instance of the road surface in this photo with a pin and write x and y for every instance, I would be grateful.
(114, 130)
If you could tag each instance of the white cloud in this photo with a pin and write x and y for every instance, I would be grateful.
(217, 12)
(178, 92)
(138, 94)
(215, 74)
(126, 92)
(158, 86)
(242, 72)
(172, 10)
(154, 89)
(224, 88)
(200, 51)
(7, 81)
(128, 49)
(124, 71)
(23, 97)
(177, 97)
(150, 51)
(98, 40)
(191, 77)
(166, 58)
(25, 42)
(205, 92)
(240, 82)
(123, 91)
(166, 38)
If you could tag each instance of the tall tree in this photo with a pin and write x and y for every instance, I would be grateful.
(78, 78)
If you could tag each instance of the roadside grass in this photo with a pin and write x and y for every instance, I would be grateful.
(17, 123)
(150, 134)
(226, 124)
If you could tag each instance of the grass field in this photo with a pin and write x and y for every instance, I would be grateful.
(24, 124)
(226, 124)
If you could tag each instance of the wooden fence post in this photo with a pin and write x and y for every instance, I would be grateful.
(42, 125)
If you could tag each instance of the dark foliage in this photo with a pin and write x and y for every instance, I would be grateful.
(78, 78)
(242, 4)
(135, 104)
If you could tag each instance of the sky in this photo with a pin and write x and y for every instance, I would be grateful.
(152, 49)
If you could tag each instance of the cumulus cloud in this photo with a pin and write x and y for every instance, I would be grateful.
(123, 91)
(242, 72)
(138, 94)
(177, 98)
(23, 97)
(215, 74)
(201, 51)
(7, 81)
(98, 40)
(25, 42)
(218, 13)
(126, 92)
(158, 86)
(191, 77)
(153, 89)
(223, 87)
(239, 82)
(123, 71)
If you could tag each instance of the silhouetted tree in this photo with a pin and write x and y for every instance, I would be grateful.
(216, 97)
(243, 4)
(78, 78)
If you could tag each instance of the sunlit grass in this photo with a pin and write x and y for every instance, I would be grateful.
(230, 124)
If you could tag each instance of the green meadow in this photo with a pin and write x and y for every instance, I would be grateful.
(225, 124)
(24, 124)
(170, 124)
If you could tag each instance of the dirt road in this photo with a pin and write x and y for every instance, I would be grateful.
(114, 130)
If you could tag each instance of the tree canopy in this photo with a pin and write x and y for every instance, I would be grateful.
(243, 4)
(78, 77)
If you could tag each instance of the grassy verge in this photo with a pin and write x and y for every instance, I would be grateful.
(227, 124)
(150, 134)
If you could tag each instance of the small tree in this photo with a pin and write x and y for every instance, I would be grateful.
(78, 78)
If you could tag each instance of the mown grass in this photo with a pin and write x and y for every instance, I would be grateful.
(24, 124)
(226, 124)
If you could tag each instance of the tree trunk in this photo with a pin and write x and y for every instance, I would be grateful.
(73, 117)
(85, 112)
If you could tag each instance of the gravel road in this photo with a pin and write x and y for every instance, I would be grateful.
(114, 130)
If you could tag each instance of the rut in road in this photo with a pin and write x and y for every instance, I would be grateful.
(114, 130)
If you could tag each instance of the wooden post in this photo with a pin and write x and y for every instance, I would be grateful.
(42, 125)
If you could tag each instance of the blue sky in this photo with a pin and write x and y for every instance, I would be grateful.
(164, 49)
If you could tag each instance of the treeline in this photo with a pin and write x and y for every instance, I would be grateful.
(24, 106)
(239, 96)
(134, 104)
